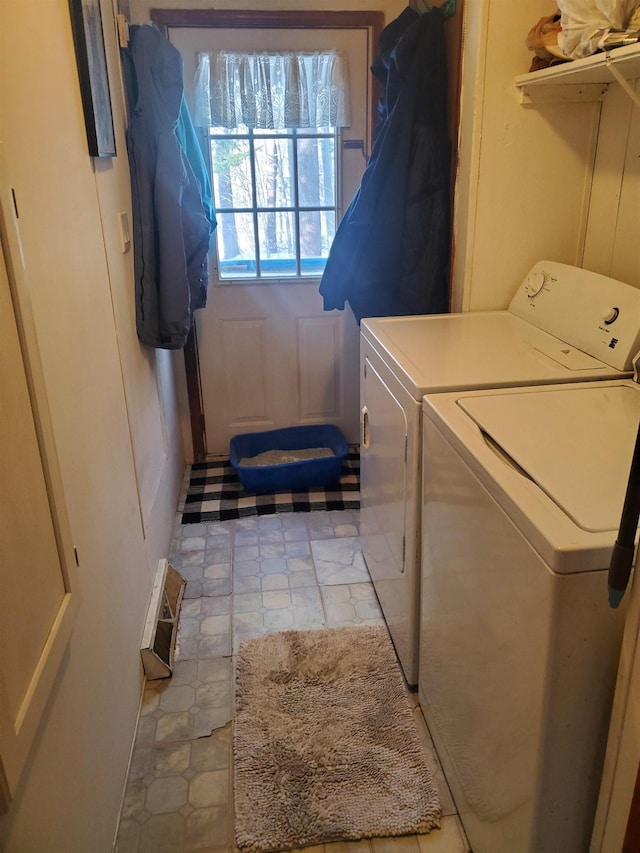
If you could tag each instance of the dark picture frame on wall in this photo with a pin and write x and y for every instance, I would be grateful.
(88, 37)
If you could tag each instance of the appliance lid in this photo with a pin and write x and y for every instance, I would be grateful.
(574, 442)
(486, 349)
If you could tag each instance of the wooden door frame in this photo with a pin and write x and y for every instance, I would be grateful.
(632, 834)
(166, 19)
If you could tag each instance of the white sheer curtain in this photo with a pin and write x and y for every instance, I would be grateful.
(271, 90)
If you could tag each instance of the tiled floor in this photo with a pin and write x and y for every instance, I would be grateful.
(244, 578)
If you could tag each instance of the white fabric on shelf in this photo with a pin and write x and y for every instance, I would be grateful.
(585, 22)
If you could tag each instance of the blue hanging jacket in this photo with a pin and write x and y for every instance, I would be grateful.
(171, 223)
(390, 254)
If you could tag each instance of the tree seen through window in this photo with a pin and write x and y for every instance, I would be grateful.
(276, 200)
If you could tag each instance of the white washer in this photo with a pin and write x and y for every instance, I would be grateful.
(523, 492)
(564, 324)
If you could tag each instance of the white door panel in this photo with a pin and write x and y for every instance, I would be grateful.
(269, 355)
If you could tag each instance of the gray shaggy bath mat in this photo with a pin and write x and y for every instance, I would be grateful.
(324, 742)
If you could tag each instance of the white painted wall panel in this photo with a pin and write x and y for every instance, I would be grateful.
(612, 246)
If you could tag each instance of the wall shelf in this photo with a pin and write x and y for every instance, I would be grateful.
(582, 79)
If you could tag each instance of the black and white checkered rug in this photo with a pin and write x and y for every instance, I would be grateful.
(215, 494)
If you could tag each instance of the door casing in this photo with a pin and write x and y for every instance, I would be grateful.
(370, 22)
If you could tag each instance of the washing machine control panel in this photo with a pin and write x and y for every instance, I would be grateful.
(535, 283)
(594, 313)
(610, 315)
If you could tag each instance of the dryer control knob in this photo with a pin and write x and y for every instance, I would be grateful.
(610, 315)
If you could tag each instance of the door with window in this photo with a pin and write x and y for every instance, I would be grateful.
(268, 355)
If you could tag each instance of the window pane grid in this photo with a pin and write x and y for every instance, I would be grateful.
(256, 237)
(276, 233)
(296, 217)
(220, 209)
(294, 133)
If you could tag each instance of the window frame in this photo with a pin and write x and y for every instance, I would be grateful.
(292, 134)
(372, 21)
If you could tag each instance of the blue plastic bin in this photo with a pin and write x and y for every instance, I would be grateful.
(290, 476)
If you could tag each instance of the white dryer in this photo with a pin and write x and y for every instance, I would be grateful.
(564, 324)
(523, 493)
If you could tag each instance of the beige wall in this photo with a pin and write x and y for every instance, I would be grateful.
(555, 180)
(114, 417)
